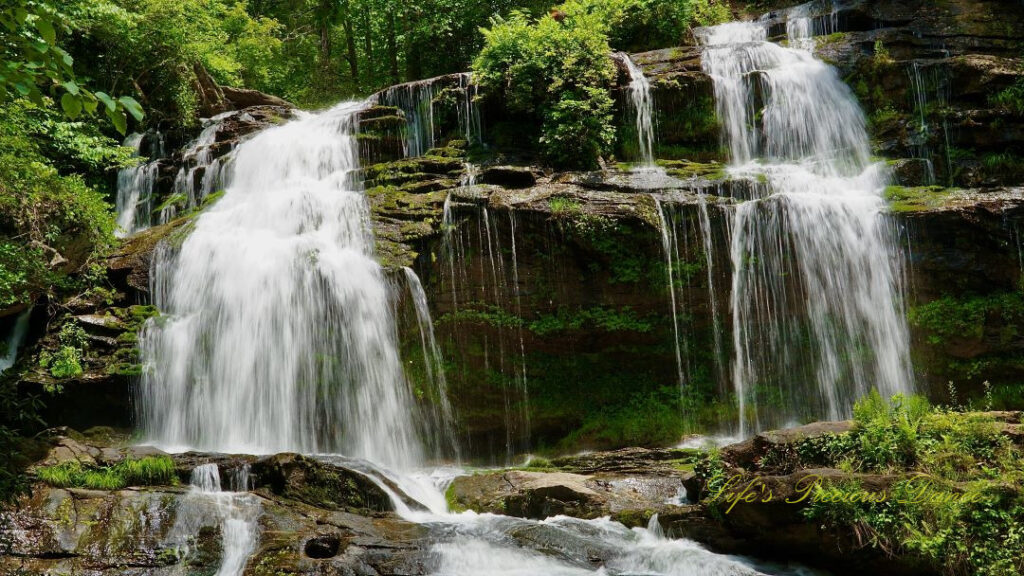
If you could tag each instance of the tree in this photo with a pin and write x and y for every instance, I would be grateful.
(34, 65)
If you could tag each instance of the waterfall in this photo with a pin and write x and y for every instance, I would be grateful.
(642, 105)
(278, 332)
(818, 317)
(670, 248)
(421, 104)
(235, 513)
(444, 424)
(14, 340)
(135, 187)
(197, 159)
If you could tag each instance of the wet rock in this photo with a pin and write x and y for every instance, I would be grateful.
(630, 498)
(246, 98)
(320, 484)
(509, 176)
(325, 546)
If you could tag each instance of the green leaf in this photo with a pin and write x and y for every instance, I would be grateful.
(46, 30)
(20, 15)
(119, 119)
(107, 100)
(71, 104)
(71, 87)
(132, 107)
(89, 103)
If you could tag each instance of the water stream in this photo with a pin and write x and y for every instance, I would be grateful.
(817, 309)
(278, 332)
(15, 338)
(135, 185)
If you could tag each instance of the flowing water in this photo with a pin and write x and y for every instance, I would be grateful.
(817, 311)
(277, 332)
(201, 173)
(15, 338)
(642, 105)
(135, 185)
(235, 513)
(419, 103)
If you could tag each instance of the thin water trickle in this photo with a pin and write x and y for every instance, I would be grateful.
(818, 316)
(669, 248)
(197, 158)
(643, 108)
(236, 514)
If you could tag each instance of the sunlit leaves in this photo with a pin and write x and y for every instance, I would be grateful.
(33, 65)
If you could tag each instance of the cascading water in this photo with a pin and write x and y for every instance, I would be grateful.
(818, 317)
(418, 102)
(198, 160)
(642, 105)
(235, 513)
(278, 332)
(15, 338)
(135, 186)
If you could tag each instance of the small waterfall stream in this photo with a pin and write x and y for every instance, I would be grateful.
(15, 338)
(643, 107)
(816, 290)
(135, 185)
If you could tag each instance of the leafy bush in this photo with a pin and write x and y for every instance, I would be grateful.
(558, 74)
(147, 471)
(961, 506)
(42, 214)
(639, 25)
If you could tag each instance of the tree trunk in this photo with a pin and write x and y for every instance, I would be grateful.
(393, 47)
(350, 42)
(368, 50)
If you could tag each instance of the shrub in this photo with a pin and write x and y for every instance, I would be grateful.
(971, 518)
(558, 74)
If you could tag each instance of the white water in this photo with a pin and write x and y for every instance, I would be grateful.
(818, 317)
(14, 340)
(278, 332)
(198, 159)
(643, 108)
(235, 513)
(135, 188)
(670, 248)
(418, 102)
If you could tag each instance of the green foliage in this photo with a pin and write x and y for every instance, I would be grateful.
(1011, 97)
(65, 362)
(147, 471)
(710, 470)
(35, 66)
(951, 318)
(640, 25)
(42, 213)
(959, 507)
(887, 431)
(557, 74)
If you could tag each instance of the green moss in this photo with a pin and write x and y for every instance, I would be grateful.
(147, 471)
(564, 206)
(452, 500)
(685, 169)
(913, 199)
